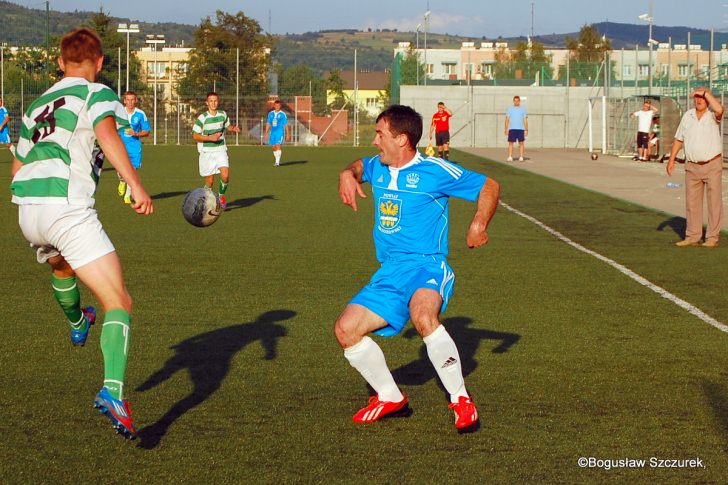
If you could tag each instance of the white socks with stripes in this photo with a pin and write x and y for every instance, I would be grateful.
(367, 357)
(445, 358)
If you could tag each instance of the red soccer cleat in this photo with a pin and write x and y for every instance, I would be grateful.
(465, 413)
(377, 409)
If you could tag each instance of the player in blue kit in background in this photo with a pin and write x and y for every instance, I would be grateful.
(138, 128)
(411, 194)
(5, 127)
(276, 130)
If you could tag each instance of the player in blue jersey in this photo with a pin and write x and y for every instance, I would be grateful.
(138, 128)
(5, 127)
(276, 130)
(415, 282)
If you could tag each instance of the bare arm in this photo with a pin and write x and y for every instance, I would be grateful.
(432, 128)
(713, 103)
(505, 128)
(7, 120)
(487, 204)
(267, 130)
(17, 165)
(114, 150)
(525, 124)
(676, 146)
(140, 134)
(202, 138)
(350, 180)
(234, 128)
(288, 133)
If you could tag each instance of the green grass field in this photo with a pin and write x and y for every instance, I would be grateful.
(235, 376)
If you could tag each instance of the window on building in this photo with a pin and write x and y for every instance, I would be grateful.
(683, 70)
(429, 68)
(487, 70)
(449, 68)
(644, 70)
(665, 69)
(467, 70)
(705, 70)
(626, 71)
(371, 102)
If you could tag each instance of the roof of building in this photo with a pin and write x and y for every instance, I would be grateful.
(376, 80)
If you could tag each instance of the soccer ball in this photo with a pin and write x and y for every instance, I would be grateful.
(201, 207)
(594, 155)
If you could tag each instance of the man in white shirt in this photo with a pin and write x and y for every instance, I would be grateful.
(644, 127)
(699, 134)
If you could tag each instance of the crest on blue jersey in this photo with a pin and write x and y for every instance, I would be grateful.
(389, 213)
(412, 180)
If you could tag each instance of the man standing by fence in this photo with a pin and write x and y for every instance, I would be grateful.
(699, 134)
(644, 128)
(516, 128)
(441, 126)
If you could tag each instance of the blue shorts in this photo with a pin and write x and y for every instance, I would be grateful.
(390, 290)
(275, 138)
(5, 138)
(516, 135)
(136, 160)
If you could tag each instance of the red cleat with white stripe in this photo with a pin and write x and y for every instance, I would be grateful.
(465, 413)
(377, 409)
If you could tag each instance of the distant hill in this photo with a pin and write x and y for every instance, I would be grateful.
(329, 49)
(27, 26)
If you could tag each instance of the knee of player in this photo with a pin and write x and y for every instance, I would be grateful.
(424, 322)
(345, 331)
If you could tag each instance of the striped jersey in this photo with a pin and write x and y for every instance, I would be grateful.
(208, 124)
(411, 213)
(56, 143)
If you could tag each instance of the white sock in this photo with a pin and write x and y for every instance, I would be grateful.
(367, 357)
(277, 154)
(12, 149)
(128, 191)
(444, 356)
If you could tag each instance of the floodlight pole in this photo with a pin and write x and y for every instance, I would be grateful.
(427, 26)
(128, 29)
(154, 40)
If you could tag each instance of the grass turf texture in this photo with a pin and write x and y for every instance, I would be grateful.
(235, 377)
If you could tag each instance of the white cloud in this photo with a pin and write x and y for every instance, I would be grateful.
(439, 22)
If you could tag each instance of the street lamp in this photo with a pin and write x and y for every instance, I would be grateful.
(2, 70)
(647, 17)
(427, 25)
(127, 29)
(417, 51)
(155, 40)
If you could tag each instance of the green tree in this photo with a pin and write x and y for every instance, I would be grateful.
(213, 61)
(586, 54)
(411, 68)
(335, 88)
(300, 80)
(527, 58)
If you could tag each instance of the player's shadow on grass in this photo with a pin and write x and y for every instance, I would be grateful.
(677, 224)
(293, 162)
(241, 203)
(206, 357)
(167, 195)
(467, 340)
(717, 395)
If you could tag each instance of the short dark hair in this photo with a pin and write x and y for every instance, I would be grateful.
(277, 101)
(81, 45)
(212, 93)
(441, 103)
(131, 93)
(403, 119)
(517, 97)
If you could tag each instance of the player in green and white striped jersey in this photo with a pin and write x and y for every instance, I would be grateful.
(54, 183)
(209, 133)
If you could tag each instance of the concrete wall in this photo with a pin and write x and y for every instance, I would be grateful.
(557, 116)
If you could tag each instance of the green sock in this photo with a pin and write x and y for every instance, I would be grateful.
(223, 187)
(67, 295)
(115, 337)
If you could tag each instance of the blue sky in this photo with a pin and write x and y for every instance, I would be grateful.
(476, 18)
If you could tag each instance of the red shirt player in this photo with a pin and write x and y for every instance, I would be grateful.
(441, 126)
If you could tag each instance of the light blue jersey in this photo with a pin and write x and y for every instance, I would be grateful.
(516, 116)
(411, 221)
(277, 122)
(5, 132)
(137, 122)
(411, 214)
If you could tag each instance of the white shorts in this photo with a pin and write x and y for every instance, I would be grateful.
(210, 162)
(73, 232)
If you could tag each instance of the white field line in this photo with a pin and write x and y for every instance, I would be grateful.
(626, 271)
